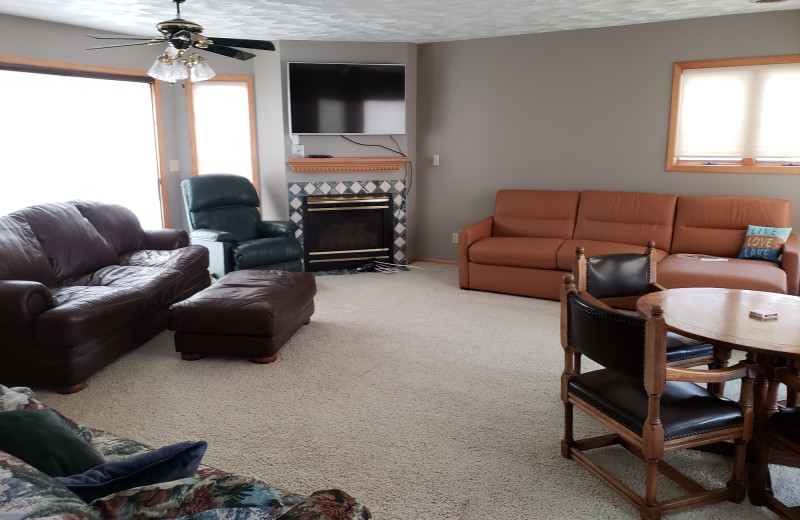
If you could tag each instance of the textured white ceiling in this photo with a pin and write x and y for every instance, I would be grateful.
(417, 21)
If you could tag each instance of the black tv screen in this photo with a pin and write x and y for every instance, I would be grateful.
(346, 98)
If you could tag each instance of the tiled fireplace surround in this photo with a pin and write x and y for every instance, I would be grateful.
(298, 190)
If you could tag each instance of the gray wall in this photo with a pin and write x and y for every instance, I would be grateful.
(575, 110)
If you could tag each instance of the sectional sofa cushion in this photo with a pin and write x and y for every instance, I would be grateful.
(535, 213)
(23, 257)
(757, 275)
(626, 218)
(71, 243)
(537, 253)
(717, 225)
(566, 252)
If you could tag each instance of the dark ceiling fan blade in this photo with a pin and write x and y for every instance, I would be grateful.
(263, 45)
(116, 37)
(227, 51)
(150, 42)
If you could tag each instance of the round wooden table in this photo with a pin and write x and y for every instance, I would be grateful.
(722, 318)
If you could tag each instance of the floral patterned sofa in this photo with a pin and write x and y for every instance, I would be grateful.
(212, 494)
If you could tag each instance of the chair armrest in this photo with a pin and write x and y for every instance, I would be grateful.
(790, 262)
(594, 301)
(21, 301)
(164, 239)
(276, 228)
(212, 235)
(467, 236)
(716, 375)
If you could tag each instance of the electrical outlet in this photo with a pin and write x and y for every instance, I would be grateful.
(455, 238)
(436, 160)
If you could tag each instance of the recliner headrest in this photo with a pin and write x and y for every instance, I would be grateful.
(205, 192)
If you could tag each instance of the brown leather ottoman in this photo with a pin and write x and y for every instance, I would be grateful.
(248, 313)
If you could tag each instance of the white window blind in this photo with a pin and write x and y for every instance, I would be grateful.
(738, 112)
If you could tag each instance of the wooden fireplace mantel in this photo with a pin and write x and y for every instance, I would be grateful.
(346, 164)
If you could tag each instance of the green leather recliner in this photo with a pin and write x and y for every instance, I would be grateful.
(223, 216)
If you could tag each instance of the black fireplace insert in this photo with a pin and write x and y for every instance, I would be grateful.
(346, 231)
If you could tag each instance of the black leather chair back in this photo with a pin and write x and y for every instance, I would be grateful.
(223, 202)
(617, 275)
(612, 339)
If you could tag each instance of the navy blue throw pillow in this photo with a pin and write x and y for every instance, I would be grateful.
(153, 467)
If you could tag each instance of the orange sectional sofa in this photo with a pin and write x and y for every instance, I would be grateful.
(528, 244)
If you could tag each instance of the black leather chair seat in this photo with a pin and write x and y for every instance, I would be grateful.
(786, 423)
(680, 348)
(686, 408)
(263, 251)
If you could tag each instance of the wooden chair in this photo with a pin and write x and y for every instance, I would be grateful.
(618, 280)
(650, 408)
(777, 439)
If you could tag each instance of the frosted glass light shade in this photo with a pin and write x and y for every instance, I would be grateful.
(201, 71)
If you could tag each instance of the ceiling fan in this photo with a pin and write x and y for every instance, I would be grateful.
(181, 35)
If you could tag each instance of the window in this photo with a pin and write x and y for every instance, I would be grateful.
(737, 115)
(77, 132)
(222, 127)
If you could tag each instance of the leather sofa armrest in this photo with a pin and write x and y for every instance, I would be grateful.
(164, 239)
(211, 235)
(21, 301)
(790, 262)
(276, 228)
(467, 236)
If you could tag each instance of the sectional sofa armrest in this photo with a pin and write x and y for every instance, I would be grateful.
(790, 262)
(21, 301)
(164, 239)
(467, 236)
(276, 228)
(211, 235)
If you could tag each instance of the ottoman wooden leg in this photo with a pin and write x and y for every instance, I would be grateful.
(265, 360)
(189, 356)
(72, 389)
(307, 321)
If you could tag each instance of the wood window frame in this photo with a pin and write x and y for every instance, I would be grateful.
(251, 100)
(62, 68)
(747, 164)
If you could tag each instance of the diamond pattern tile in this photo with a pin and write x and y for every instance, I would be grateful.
(298, 190)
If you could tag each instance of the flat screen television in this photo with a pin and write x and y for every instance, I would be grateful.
(346, 98)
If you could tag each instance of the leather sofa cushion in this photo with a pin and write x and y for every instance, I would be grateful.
(83, 313)
(717, 225)
(265, 251)
(626, 217)
(535, 213)
(156, 285)
(686, 408)
(192, 261)
(537, 253)
(23, 257)
(239, 221)
(70, 242)
(117, 224)
(566, 252)
(675, 271)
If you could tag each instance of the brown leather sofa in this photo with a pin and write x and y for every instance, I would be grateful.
(81, 283)
(528, 244)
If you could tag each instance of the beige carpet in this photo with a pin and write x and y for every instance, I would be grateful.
(422, 400)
